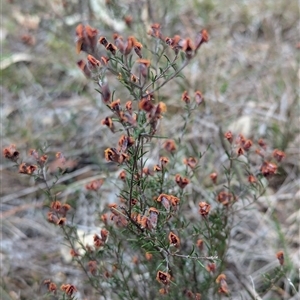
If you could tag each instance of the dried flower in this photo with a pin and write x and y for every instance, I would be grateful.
(204, 208)
(182, 182)
(278, 155)
(119, 42)
(228, 136)
(268, 169)
(144, 64)
(137, 46)
(213, 176)
(221, 280)
(280, 257)
(153, 216)
(165, 201)
(69, 289)
(174, 240)
(199, 97)
(190, 161)
(163, 277)
(170, 145)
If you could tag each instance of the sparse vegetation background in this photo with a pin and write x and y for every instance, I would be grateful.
(248, 75)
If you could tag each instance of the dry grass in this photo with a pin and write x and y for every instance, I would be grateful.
(248, 74)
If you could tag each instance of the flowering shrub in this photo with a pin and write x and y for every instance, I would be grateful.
(150, 242)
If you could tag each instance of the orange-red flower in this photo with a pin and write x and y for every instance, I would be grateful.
(164, 161)
(280, 257)
(240, 151)
(202, 37)
(213, 176)
(69, 289)
(204, 208)
(125, 142)
(155, 31)
(109, 123)
(128, 106)
(92, 264)
(27, 169)
(86, 38)
(251, 178)
(247, 145)
(190, 161)
(181, 181)
(170, 145)
(148, 255)
(262, 144)
(112, 48)
(93, 62)
(11, 153)
(226, 198)
(104, 235)
(94, 185)
(211, 267)
(52, 288)
(185, 97)
(200, 244)
(268, 168)
(174, 240)
(122, 175)
(102, 40)
(163, 277)
(228, 136)
(115, 105)
(278, 155)
(146, 105)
